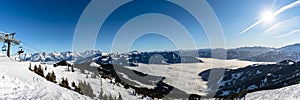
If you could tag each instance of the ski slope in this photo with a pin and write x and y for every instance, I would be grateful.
(285, 93)
(17, 82)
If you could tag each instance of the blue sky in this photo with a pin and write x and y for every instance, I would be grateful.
(49, 25)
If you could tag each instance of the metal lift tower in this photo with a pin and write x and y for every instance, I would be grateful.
(9, 39)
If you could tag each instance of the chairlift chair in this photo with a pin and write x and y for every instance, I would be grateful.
(21, 50)
(3, 48)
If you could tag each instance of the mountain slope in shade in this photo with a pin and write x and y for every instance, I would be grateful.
(258, 77)
(17, 82)
(242, 53)
(290, 48)
(247, 52)
(290, 52)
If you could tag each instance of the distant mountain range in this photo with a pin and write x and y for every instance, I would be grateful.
(290, 52)
(55, 56)
(257, 53)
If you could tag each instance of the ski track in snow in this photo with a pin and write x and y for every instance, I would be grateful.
(17, 82)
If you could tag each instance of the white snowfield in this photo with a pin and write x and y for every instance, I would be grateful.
(17, 82)
(285, 93)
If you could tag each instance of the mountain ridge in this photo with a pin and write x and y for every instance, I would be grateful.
(254, 53)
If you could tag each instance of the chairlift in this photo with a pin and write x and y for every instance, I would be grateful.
(20, 51)
(3, 48)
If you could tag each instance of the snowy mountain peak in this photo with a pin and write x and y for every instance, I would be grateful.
(55, 56)
(290, 48)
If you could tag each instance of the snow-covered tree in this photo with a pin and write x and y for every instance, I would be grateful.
(76, 88)
(65, 83)
(86, 89)
(120, 97)
(51, 77)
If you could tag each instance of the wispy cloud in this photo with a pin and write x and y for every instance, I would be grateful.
(283, 25)
(289, 33)
(282, 9)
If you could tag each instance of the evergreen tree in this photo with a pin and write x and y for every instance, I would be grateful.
(101, 94)
(77, 89)
(73, 84)
(105, 97)
(86, 89)
(65, 83)
(72, 68)
(35, 69)
(51, 77)
(120, 97)
(48, 77)
(30, 67)
(40, 71)
(110, 97)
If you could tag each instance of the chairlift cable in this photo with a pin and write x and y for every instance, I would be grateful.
(31, 47)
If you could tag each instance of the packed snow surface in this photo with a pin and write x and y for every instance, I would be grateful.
(285, 93)
(17, 82)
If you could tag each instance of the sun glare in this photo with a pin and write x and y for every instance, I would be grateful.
(267, 16)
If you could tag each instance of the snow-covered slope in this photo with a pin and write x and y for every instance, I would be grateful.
(17, 82)
(285, 93)
(247, 52)
(2, 55)
(290, 48)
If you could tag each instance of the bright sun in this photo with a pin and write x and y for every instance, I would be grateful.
(267, 16)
